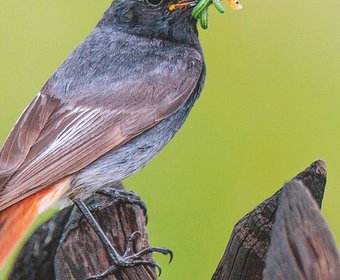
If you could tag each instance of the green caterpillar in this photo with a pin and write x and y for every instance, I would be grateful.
(201, 9)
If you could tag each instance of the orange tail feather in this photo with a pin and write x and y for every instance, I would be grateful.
(18, 218)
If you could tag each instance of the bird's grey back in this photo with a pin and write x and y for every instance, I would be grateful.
(108, 58)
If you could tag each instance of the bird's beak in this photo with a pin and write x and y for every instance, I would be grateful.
(182, 5)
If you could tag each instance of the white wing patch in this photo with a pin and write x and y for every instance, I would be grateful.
(82, 120)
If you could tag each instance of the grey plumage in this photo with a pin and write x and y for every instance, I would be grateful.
(111, 107)
(132, 156)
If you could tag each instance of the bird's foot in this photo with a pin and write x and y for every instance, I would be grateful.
(131, 259)
(117, 196)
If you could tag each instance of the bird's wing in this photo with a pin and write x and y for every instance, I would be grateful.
(52, 139)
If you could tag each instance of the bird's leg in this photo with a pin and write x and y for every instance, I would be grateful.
(96, 227)
(129, 258)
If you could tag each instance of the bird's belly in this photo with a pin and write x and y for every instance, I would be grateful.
(130, 157)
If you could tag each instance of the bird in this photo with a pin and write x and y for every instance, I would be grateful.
(112, 105)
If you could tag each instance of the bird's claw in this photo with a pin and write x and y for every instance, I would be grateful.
(118, 196)
(131, 259)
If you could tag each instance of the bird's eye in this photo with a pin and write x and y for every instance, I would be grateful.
(154, 2)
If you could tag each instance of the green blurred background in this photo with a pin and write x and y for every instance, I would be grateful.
(270, 107)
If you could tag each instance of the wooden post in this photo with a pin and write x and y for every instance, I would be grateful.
(66, 247)
(301, 246)
(245, 255)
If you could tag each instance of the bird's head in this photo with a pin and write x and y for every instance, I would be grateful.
(164, 19)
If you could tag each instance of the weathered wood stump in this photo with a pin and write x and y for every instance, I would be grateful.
(245, 257)
(301, 246)
(66, 247)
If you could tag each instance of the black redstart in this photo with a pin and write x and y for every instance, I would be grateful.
(115, 102)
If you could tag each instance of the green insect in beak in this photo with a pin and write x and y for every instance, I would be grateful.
(201, 9)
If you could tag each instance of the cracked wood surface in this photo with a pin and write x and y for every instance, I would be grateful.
(245, 255)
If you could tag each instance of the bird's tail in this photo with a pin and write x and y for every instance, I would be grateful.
(16, 220)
